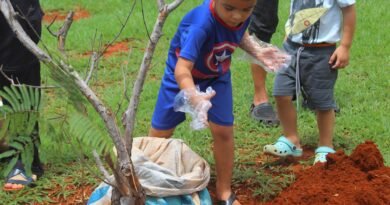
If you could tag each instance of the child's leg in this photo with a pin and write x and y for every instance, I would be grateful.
(288, 118)
(325, 123)
(161, 133)
(224, 158)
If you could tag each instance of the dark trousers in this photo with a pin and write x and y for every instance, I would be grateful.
(17, 62)
(264, 19)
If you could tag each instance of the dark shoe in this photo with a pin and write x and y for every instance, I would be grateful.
(264, 113)
(229, 201)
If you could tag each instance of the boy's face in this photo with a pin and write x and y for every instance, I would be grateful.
(234, 12)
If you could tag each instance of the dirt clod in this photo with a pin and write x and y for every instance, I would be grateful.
(360, 178)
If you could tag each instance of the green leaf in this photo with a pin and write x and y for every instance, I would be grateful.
(17, 145)
(12, 101)
(4, 128)
(31, 93)
(8, 153)
(16, 105)
(27, 157)
(36, 98)
(10, 166)
(25, 97)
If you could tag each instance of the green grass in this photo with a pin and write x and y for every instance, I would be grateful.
(362, 91)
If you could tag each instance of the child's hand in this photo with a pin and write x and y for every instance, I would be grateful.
(196, 103)
(340, 58)
(196, 97)
(272, 58)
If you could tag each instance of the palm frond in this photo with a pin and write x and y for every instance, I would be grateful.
(20, 114)
(89, 133)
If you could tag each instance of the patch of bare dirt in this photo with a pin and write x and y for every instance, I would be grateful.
(360, 178)
(114, 49)
(60, 15)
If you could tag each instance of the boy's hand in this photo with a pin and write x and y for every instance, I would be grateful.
(196, 103)
(340, 57)
(272, 58)
(196, 98)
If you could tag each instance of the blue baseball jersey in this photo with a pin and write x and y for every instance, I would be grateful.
(203, 38)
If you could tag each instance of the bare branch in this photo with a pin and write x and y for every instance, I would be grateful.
(120, 31)
(63, 32)
(161, 4)
(18, 84)
(144, 68)
(144, 20)
(107, 116)
(101, 167)
(172, 6)
(48, 27)
(94, 62)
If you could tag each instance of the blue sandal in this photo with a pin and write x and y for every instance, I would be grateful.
(321, 153)
(26, 181)
(282, 148)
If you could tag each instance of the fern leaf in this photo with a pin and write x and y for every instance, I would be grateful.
(36, 98)
(6, 109)
(16, 91)
(89, 134)
(27, 157)
(32, 96)
(8, 153)
(10, 166)
(31, 122)
(4, 128)
(25, 97)
(17, 145)
(9, 99)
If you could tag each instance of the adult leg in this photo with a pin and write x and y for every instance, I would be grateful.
(259, 76)
(21, 65)
(263, 25)
(224, 159)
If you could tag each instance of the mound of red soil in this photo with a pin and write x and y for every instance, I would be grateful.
(60, 15)
(360, 178)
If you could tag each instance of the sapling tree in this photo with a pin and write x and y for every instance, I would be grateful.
(127, 189)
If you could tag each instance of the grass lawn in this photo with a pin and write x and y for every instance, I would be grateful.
(362, 92)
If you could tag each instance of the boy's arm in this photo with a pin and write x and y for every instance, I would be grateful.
(269, 56)
(340, 58)
(185, 81)
(183, 74)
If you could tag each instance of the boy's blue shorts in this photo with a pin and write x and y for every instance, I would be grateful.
(221, 112)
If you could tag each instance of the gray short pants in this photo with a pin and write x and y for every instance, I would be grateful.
(315, 78)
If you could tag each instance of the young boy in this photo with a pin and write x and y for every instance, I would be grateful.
(200, 54)
(316, 60)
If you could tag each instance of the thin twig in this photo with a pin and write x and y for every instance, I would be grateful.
(51, 23)
(18, 84)
(144, 20)
(63, 32)
(101, 167)
(93, 65)
(120, 31)
(124, 96)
